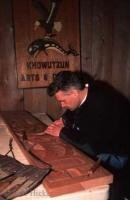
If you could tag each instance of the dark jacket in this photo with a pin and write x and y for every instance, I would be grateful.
(102, 122)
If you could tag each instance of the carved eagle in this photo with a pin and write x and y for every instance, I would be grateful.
(47, 15)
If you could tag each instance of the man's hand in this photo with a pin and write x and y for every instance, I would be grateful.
(55, 128)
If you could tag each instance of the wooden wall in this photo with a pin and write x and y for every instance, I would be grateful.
(105, 53)
(105, 41)
(10, 97)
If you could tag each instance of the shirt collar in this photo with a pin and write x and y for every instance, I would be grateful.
(86, 85)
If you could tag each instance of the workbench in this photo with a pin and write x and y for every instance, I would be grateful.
(78, 188)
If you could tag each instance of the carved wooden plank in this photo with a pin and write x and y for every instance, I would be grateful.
(38, 71)
(70, 166)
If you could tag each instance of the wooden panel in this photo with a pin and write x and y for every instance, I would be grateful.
(86, 8)
(39, 71)
(98, 193)
(35, 100)
(96, 38)
(70, 166)
(105, 41)
(53, 108)
(121, 50)
(10, 97)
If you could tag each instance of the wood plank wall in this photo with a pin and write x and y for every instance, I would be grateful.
(105, 52)
(105, 41)
(12, 98)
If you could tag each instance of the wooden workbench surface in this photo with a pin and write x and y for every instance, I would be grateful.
(70, 167)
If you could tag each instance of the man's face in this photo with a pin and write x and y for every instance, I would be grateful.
(68, 99)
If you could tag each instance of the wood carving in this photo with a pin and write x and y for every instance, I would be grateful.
(17, 179)
(53, 47)
(48, 15)
(47, 23)
(71, 170)
(46, 43)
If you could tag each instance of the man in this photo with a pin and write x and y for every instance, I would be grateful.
(96, 118)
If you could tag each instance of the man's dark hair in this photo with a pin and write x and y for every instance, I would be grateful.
(64, 80)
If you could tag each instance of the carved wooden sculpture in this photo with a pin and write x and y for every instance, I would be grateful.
(71, 170)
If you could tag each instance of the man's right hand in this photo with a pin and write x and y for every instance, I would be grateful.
(55, 128)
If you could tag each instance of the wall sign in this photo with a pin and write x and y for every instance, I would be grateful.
(46, 40)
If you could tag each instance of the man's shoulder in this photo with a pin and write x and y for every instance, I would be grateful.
(105, 89)
(104, 96)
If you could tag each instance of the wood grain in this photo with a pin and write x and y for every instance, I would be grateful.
(69, 166)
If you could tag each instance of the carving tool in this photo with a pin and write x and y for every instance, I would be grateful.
(94, 167)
